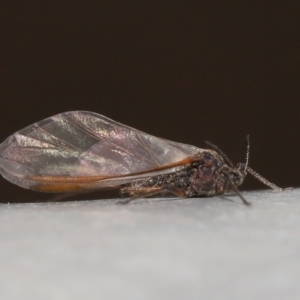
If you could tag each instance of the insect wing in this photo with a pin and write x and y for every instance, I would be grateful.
(75, 148)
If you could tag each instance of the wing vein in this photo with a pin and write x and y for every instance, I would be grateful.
(106, 141)
(147, 149)
(63, 143)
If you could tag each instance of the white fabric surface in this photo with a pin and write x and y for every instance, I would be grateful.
(200, 248)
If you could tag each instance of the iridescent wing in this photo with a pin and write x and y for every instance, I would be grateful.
(84, 150)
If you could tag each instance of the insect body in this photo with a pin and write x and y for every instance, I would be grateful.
(79, 151)
(206, 176)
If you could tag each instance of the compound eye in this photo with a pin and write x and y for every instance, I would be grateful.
(232, 177)
(236, 178)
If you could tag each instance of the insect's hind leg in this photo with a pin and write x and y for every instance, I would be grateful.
(149, 192)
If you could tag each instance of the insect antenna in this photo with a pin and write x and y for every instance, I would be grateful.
(255, 174)
(216, 148)
(264, 180)
(235, 189)
(247, 152)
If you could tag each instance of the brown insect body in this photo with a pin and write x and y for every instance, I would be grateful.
(80, 151)
(205, 177)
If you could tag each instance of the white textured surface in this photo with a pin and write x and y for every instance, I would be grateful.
(205, 248)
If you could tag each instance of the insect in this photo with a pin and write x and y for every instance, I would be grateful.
(79, 151)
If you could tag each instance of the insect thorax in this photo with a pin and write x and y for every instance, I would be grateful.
(207, 176)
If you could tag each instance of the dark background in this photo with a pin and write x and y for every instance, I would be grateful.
(188, 71)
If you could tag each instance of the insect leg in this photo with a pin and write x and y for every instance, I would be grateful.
(153, 192)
